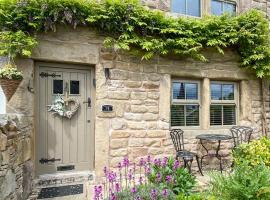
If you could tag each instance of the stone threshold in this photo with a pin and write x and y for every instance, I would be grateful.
(64, 178)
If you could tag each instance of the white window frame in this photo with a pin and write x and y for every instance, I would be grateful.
(186, 102)
(222, 102)
(224, 1)
(186, 15)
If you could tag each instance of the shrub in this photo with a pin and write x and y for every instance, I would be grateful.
(149, 180)
(245, 183)
(10, 72)
(199, 196)
(255, 153)
(167, 173)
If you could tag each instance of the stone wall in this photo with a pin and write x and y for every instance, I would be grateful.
(16, 168)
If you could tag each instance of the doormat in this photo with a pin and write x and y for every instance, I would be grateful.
(61, 191)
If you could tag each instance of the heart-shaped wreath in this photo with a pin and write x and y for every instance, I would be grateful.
(60, 107)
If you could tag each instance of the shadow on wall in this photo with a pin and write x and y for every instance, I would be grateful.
(2, 102)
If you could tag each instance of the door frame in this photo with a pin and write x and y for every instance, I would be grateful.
(90, 68)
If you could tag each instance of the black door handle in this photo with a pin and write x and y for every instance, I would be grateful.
(88, 102)
(46, 160)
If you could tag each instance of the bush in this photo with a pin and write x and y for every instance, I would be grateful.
(167, 173)
(255, 153)
(245, 183)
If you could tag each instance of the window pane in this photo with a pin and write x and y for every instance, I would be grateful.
(191, 91)
(228, 92)
(57, 86)
(177, 115)
(192, 115)
(74, 87)
(229, 8)
(178, 90)
(216, 7)
(229, 115)
(194, 8)
(216, 91)
(179, 6)
(215, 115)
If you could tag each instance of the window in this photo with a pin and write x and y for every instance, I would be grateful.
(219, 7)
(74, 87)
(185, 107)
(223, 104)
(57, 86)
(187, 7)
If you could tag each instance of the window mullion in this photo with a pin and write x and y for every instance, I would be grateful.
(222, 115)
(185, 115)
(186, 9)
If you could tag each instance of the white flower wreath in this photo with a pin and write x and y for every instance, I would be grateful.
(59, 107)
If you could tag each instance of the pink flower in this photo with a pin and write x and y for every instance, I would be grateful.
(126, 162)
(133, 190)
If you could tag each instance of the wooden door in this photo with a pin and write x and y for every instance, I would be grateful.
(64, 144)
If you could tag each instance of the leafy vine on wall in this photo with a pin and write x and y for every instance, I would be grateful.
(130, 26)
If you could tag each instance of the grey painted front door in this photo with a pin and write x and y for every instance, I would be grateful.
(69, 141)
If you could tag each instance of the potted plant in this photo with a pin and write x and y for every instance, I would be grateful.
(10, 79)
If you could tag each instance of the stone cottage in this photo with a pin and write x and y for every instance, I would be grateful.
(127, 105)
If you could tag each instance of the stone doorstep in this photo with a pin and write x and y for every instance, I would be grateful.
(64, 178)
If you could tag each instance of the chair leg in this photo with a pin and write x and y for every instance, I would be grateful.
(198, 163)
(188, 164)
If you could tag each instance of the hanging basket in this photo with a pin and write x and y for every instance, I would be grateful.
(9, 87)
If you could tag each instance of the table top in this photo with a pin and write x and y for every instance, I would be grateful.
(213, 137)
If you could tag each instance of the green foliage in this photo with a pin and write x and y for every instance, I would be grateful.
(245, 183)
(146, 192)
(168, 174)
(10, 72)
(255, 153)
(199, 196)
(130, 26)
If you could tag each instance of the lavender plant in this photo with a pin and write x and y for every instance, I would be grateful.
(149, 179)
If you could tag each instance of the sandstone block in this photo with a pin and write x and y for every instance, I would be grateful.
(116, 74)
(115, 161)
(150, 68)
(151, 142)
(119, 95)
(133, 84)
(153, 95)
(138, 109)
(138, 95)
(152, 109)
(27, 149)
(136, 102)
(152, 125)
(3, 142)
(122, 65)
(118, 143)
(119, 124)
(137, 125)
(108, 56)
(151, 85)
(119, 134)
(151, 103)
(136, 142)
(150, 117)
(119, 152)
(133, 117)
(138, 134)
(139, 152)
(155, 151)
(154, 77)
(156, 134)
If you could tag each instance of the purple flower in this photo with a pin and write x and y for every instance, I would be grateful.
(105, 171)
(119, 166)
(133, 190)
(176, 165)
(157, 162)
(112, 196)
(98, 192)
(126, 162)
(149, 159)
(142, 162)
(168, 179)
(117, 187)
(165, 193)
(147, 170)
(158, 178)
(111, 176)
(130, 175)
(165, 161)
(154, 194)
(138, 198)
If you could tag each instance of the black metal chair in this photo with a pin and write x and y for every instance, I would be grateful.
(177, 136)
(241, 134)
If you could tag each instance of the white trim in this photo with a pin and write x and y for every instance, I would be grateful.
(186, 15)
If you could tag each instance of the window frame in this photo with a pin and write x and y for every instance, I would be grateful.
(186, 102)
(222, 102)
(235, 3)
(202, 2)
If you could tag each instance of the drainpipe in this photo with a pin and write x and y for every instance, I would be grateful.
(264, 121)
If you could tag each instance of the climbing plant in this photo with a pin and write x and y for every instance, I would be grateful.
(127, 25)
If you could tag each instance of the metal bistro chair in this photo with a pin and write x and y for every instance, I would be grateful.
(241, 134)
(177, 136)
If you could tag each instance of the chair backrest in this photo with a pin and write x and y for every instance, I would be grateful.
(177, 136)
(241, 134)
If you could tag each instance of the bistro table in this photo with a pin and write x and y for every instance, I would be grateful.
(213, 138)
